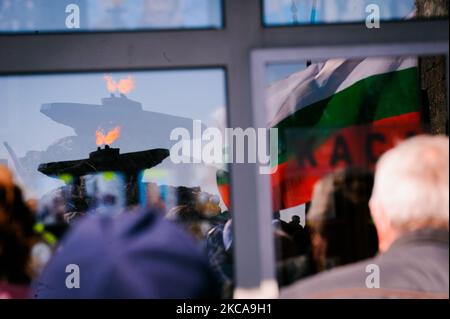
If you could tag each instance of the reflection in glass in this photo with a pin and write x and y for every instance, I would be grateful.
(44, 15)
(335, 119)
(81, 157)
(83, 145)
(288, 12)
(91, 144)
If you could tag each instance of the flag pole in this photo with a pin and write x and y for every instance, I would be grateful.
(312, 21)
(294, 10)
(313, 11)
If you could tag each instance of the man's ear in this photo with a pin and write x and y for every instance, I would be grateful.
(380, 224)
(373, 206)
(385, 232)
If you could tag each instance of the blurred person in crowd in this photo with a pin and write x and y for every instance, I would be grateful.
(295, 222)
(190, 219)
(195, 211)
(299, 234)
(278, 223)
(220, 254)
(139, 255)
(290, 266)
(16, 239)
(410, 209)
(53, 213)
(341, 227)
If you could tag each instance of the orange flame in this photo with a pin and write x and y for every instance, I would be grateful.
(110, 84)
(124, 86)
(109, 138)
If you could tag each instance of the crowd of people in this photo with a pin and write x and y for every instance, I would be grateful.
(390, 226)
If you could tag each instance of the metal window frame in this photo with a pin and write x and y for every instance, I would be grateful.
(260, 58)
(229, 48)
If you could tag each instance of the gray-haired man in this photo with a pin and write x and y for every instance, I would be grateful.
(410, 208)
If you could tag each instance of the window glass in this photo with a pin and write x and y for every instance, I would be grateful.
(106, 143)
(292, 12)
(90, 15)
(335, 118)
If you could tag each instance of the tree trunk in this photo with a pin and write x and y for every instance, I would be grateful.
(433, 73)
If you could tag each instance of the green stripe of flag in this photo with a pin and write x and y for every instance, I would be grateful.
(371, 99)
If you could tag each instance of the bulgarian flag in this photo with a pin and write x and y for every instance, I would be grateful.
(336, 114)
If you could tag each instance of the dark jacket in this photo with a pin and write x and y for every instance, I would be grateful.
(415, 266)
